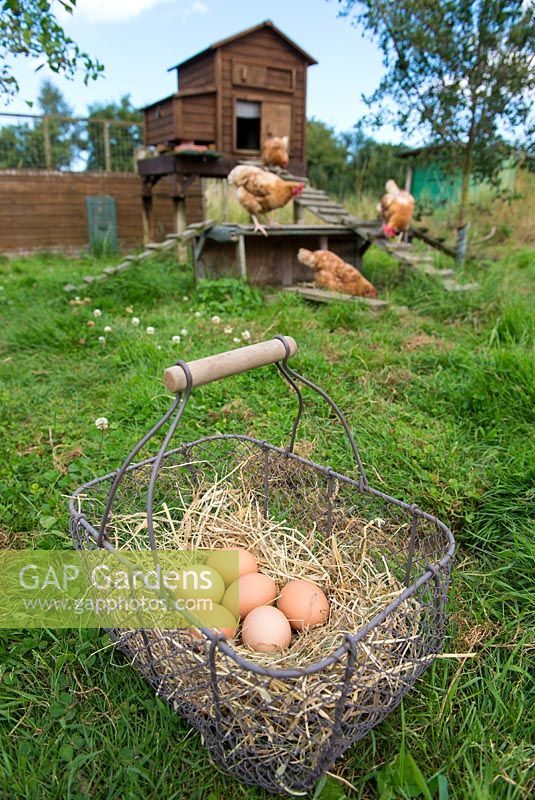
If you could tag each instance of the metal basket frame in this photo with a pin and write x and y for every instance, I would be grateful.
(436, 573)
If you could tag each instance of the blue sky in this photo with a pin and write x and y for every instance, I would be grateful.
(137, 40)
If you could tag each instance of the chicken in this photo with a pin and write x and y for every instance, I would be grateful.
(335, 274)
(260, 191)
(275, 151)
(395, 209)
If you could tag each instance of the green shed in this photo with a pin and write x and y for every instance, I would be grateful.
(427, 179)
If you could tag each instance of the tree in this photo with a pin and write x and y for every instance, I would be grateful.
(326, 155)
(22, 146)
(64, 136)
(371, 163)
(122, 138)
(29, 28)
(461, 71)
(350, 163)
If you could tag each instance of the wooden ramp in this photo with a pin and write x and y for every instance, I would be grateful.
(325, 296)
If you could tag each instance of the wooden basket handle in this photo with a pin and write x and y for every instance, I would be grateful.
(213, 368)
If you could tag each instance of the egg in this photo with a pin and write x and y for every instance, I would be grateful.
(217, 618)
(248, 592)
(199, 581)
(266, 630)
(304, 604)
(232, 563)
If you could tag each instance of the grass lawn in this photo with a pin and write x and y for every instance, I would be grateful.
(441, 398)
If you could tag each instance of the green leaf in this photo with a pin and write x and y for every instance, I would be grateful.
(47, 522)
(438, 786)
(57, 710)
(66, 752)
(411, 778)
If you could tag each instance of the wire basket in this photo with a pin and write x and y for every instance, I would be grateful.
(278, 728)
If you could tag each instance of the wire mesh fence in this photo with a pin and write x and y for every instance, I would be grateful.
(68, 144)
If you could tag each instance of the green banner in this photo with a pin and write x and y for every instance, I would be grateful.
(166, 589)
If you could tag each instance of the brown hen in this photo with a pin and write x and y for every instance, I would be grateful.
(275, 151)
(260, 191)
(333, 273)
(396, 209)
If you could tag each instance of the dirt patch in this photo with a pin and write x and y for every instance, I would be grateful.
(424, 340)
(396, 376)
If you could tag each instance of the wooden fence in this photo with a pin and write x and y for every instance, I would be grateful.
(44, 210)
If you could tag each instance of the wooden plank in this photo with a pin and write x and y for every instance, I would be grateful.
(296, 230)
(204, 166)
(432, 242)
(453, 286)
(324, 296)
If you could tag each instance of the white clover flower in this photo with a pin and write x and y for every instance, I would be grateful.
(175, 339)
(197, 314)
(183, 332)
(102, 339)
(97, 312)
(76, 298)
(228, 328)
(236, 340)
(150, 330)
(216, 320)
(129, 309)
(185, 298)
(158, 347)
(101, 423)
(245, 335)
(135, 321)
(107, 329)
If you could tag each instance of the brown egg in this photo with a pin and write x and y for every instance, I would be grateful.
(266, 630)
(248, 592)
(217, 618)
(231, 563)
(304, 604)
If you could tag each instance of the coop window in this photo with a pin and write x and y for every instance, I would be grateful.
(247, 125)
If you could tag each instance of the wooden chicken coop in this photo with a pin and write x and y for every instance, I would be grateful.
(230, 98)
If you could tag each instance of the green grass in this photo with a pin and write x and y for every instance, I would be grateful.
(441, 399)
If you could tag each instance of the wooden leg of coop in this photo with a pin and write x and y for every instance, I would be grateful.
(324, 243)
(240, 258)
(148, 219)
(299, 213)
(180, 223)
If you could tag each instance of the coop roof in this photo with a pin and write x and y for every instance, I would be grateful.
(266, 24)
(417, 151)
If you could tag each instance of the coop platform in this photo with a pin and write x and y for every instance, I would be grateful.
(230, 250)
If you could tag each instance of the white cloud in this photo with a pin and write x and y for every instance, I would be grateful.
(123, 10)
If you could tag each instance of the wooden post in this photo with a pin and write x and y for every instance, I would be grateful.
(48, 150)
(180, 223)
(197, 263)
(299, 213)
(107, 149)
(148, 219)
(241, 258)
(408, 178)
(324, 243)
(461, 245)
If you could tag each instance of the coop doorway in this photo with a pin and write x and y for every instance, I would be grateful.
(247, 125)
